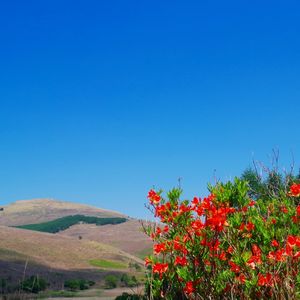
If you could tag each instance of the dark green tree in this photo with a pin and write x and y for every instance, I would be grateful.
(34, 284)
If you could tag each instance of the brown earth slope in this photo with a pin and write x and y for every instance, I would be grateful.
(58, 251)
(128, 236)
(57, 258)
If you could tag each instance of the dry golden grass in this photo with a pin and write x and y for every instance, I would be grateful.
(58, 251)
(127, 236)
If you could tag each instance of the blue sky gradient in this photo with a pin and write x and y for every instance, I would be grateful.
(101, 100)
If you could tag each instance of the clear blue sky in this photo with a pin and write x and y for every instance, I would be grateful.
(101, 100)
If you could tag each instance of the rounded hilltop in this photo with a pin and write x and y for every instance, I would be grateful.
(39, 210)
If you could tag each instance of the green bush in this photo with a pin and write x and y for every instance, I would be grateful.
(227, 245)
(78, 284)
(34, 284)
(111, 281)
(128, 281)
(126, 296)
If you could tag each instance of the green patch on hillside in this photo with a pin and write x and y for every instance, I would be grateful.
(107, 264)
(66, 222)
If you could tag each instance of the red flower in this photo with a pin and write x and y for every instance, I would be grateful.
(197, 225)
(159, 248)
(153, 197)
(252, 203)
(250, 226)
(295, 190)
(242, 227)
(222, 256)
(148, 261)
(181, 261)
(189, 287)
(241, 278)
(266, 280)
(271, 255)
(183, 208)
(291, 241)
(279, 255)
(230, 250)
(253, 261)
(297, 254)
(234, 267)
(160, 268)
(274, 243)
(195, 201)
(179, 247)
(256, 250)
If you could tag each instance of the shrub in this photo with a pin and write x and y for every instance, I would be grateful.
(126, 296)
(34, 284)
(226, 245)
(129, 281)
(111, 281)
(78, 284)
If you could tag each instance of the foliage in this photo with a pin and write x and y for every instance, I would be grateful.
(268, 183)
(78, 284)
(111, 281)
(34, 284)
(226, 245)
(128, 281)
(56, 294)
(65, 222)
(108, 264)
(126, 296)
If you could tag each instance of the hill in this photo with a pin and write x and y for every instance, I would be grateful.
(81, 251)
(57, 251)
(127, 236)
(57, 258)
(34, 211)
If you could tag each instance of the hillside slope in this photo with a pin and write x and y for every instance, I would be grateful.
(127, 236)
(24, 212)
(57, 251)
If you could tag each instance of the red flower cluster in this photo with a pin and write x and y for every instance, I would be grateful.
(208, 236)
(153, 197)
(160, 268)
(266, 280)
(181, 261)
(189, 288)
(295, 190)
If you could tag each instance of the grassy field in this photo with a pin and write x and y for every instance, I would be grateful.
(107, 264)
